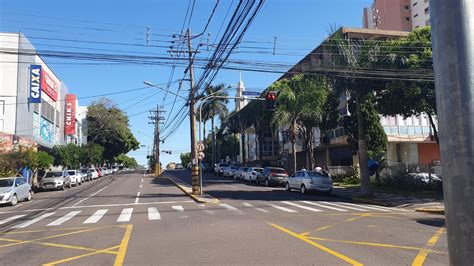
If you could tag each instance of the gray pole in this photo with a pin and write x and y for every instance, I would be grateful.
(453, 42)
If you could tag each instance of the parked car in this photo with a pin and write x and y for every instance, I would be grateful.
(104, 171)
(179, 166)
(229, 171)
(99, 172)
(56, 180)
(75, 177)
(14, 189)
(86, 174)
(251, 174)
(219, 168)
(239, 172)
(425, 177)
(94, 173)
(272, 176)
(306, 181)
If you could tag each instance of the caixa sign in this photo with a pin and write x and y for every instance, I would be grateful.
(35, 84)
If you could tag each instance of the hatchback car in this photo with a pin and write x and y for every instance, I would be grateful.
(305, 181)
(94, 173)
(14, 189)
(272, 176)
(56, 180)
(229, 171)
(86, 174)
(251, 174)
(238, 174)
(75, 176)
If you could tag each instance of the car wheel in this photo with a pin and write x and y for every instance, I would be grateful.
(287, 186)
(267, 182)
(63, 187)
(28, 198)
(14, 200)
(303, 189)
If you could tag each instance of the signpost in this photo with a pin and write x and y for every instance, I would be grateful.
(200, 147)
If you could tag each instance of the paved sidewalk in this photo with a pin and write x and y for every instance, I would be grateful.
(388, 199)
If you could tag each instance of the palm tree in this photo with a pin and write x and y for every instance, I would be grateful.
(212, 108)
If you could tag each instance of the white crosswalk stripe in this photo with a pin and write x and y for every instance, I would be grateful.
(323, 206)
(35, 220)
(364, 206)
(125, 215)
(9, 219)
(301, 206)
(230, 208)
(65, 218)
(256, 208)
(153, 214)
(282, 208)
(178, 208)
(96, 216)
(341, 206)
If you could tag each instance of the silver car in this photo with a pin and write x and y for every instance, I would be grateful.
(309, 181)
(14, 189)
(56, 180)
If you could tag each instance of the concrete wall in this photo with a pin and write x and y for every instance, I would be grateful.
(420, 13)
(8, 82)
(392, 14)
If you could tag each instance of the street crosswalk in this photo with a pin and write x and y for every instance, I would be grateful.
(86, 216)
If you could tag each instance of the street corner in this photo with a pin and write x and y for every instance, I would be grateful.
(81, 245)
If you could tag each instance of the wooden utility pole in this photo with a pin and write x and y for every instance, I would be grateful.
(156, 119)
(192, 119)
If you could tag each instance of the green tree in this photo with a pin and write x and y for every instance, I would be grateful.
(68, 156)
(185, 158)
(108, 126)
(409, 97)
(92, 154)
(126, 161)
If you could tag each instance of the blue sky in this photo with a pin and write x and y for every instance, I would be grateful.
(80, 25)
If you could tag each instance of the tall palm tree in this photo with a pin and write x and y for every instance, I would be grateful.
(212, 108)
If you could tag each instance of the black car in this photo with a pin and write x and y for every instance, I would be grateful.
(272, 176)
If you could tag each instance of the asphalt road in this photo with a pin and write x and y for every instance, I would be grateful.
(132, 219)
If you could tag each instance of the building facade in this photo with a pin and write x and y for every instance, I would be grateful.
(388, 15)
(32, 97)
(420, 11)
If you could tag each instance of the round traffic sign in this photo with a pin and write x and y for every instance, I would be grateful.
(201, 155)
(200, 147)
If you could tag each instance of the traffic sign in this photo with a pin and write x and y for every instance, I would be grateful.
(251, 93)
(200, 147)
(201, 155)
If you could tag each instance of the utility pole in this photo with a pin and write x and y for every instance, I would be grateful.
(453, 57)
(156, 119)
(196, 190)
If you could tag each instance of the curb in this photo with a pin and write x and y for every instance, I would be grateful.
(431, 210)
(189, 194)
(370, 201)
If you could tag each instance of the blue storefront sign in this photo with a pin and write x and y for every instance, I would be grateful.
(35, 84)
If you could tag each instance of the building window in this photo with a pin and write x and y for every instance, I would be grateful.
(407, 18)
(427, 11)
(416, 15)
(416, 3)
(407, 8)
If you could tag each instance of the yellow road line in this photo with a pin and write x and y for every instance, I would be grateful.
(373, 244)
(325, 227)
(305, 233)
(345, 221)
(58, 229)
(123, 246)
(321, 247)
(421, 257)
(56, 245)
(79, 256)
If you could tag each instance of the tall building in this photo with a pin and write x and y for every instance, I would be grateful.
(32, 97)
(388, 15)
(420, 12)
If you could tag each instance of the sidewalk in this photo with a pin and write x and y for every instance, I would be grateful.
(393, 200)
(187, 189)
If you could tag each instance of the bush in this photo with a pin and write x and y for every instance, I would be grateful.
(400, 179)
(354, 178)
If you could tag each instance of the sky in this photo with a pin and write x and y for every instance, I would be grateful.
(120, 27)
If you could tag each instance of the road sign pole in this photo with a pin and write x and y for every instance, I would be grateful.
(453, 57)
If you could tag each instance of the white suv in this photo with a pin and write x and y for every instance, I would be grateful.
(75, 176)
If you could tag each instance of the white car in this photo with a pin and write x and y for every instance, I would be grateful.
(425, 177)
(76, 177)
(219, 168)
(13, 189)
(251, 174)
(238, 173)
(229, 171)
(305, 181)
(94, 173)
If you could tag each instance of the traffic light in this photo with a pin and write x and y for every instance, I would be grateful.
(270, 100)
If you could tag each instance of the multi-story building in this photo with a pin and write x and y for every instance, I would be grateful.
(420, 13)
(32, 97)
(388, 15)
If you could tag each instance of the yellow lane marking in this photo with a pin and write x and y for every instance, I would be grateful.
(321, 247)
(305, 233)
(371, 226)
(373, 244)
(123, 246)
(345, 221)
(421, 257)
(325, 227)
(58, 229)
(80, 256)
(49, 237)
(357, 218)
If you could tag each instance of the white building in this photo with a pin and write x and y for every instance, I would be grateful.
(420, 13)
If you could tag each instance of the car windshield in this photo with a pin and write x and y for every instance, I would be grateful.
(84, 171)
(71, 172)
(258, 170)
(235, 168)
(6, 182)
(278, 171)
(53, 174)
